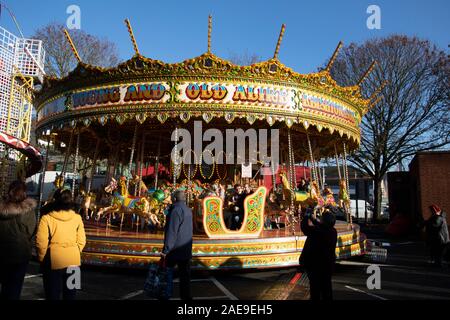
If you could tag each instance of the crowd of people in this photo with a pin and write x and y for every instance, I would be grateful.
(60, 238)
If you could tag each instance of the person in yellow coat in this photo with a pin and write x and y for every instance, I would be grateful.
(60, 240)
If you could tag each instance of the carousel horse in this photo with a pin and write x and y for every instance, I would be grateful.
(87, 203)
(329, 197)
(140, 185)
(316, 195)
(158, 200)
(301, 198)
(124, 203)
(58, 183)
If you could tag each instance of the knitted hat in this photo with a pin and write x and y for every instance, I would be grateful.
(435, 208)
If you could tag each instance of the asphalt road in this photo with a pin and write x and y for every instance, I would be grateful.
(405, 275)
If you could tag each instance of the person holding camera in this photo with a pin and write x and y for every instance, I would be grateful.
(319, 253)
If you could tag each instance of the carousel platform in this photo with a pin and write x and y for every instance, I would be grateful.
(273, 249)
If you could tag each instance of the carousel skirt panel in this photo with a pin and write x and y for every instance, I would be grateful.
(272, 249)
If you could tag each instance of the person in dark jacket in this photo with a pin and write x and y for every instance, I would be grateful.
(177, 248)
(437, 234)
(319, 254)
(17, 227)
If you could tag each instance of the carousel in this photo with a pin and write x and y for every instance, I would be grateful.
(130, 119)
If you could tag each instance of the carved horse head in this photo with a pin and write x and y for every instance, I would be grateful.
(111, 186)
(284, 180)
(59, 181)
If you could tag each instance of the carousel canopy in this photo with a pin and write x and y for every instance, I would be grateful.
(142, 90)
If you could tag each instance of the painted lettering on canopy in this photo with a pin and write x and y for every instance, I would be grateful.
(94, 97)
(145, 92)
(264, 95)
(206, 92)
(327, 106)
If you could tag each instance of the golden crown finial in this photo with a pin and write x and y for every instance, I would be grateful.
(280, 38)
(378, 90)
(373, 103)
(133, 40)
(72, 46)
(209, 32)
(334, 56)
(366, 74)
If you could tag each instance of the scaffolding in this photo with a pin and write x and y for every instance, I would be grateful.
(21, 67)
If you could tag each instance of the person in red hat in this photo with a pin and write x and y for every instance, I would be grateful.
(437, 234)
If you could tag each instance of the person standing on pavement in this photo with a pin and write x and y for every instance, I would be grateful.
(437, 234)
(60, 240)
(17, 227)
(177, 248)
(319, 254)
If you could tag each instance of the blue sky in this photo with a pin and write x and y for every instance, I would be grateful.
(173, 31)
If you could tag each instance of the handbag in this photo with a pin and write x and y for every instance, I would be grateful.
(159, 282)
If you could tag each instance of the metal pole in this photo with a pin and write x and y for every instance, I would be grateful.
(141, 161)
(115, 162)
(41, 184)
(346, 170)
(136, 171)
(94, 165)
(133, 147)
(75, 164)
(337, 162)
(294, 172)
(314, 173)
(157, 163)
(291, 168)
(175, 160)
(66, 157)
(189, 185)
(108, 170)
(323, 177)
(347, 183)
(319, 177)
(366, 191)
(274, 176)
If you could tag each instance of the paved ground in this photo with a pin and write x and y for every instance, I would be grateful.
(405, 275)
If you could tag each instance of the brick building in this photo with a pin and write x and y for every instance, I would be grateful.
(426, 183)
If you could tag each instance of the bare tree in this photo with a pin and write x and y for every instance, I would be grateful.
(245, 59)
(411, 113)
(59, 60)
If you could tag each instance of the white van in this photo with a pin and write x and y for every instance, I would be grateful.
(360, 214)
